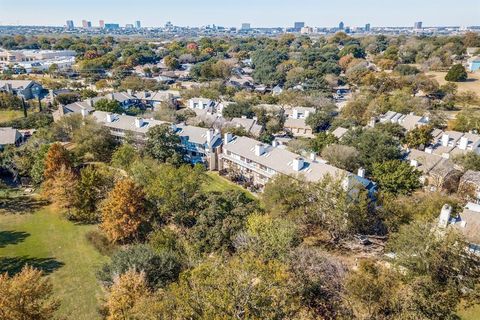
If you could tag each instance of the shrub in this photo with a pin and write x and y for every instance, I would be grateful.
(100, 242)
(456, 73)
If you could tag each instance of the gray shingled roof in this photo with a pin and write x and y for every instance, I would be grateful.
(124, 122)
(426, 161)
(468, 223)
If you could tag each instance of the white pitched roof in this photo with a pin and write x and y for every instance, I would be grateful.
(9, 136)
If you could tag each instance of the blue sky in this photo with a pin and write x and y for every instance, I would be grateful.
(234, 12)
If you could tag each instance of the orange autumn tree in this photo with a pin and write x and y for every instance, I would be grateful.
(128, 290)
(27, 295)
(123, 211)
(60, 189)
(56, 158)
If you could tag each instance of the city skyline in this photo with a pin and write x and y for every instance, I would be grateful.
(282, 13)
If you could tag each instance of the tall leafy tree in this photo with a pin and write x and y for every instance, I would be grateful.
(92, 187)
(128, 290)
(27, 295)
(61, 188)
(420, 136)
(240, 288)
(396, 176)
(56, 158)
(159, 268)
(123, 211)
(163, 144)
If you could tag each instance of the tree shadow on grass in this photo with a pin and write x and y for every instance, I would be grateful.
(21, 204)
(12, 237)
(13, 265)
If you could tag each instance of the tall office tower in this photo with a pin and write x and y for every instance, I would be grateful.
(341, 25)
(101, 24)
(246, 26)
(138, 24)
(89, 24)
(84, 24)
(367, 27)
(418, 25)
(70, 25)
(298, 26)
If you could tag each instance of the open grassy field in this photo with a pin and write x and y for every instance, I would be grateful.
(7, 115)
(215, 182)
(470, 314)
(472, 84)
(46, 240)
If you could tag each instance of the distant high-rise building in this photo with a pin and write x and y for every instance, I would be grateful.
(418, 25)
(89, 24)
(84, 24)
(298, 26)
(111, 26)
(101, 24)
(138, 24)
(129, 26)
(246, 26)
(70, 25)
(367, 27)
(341, 25)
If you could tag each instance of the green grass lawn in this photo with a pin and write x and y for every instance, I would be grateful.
(215, 182)
(48, 241)
(7, 115)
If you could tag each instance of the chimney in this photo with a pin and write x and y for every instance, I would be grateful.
(110, 117)
(9, 88)
(274, 143)
(307, 113)
(463, 143)
(138, 122)
(414, 163)
(209, 136)
(129, 91)
(429, 150)
(84, 112)
(51, 94)
(227, 137)
(298, 163)
(361, 173)
(112, 96)
(90, 102)
(174, 127)
(259, 149)
(444, 216)
(313, 157)
(445, 140)
(295, 114)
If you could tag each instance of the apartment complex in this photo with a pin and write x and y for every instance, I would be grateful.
(257, 163)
